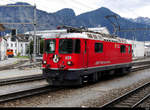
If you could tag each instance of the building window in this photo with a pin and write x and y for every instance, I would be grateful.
(11, 45)
(98, 47)
(122, 48)
(15, 44)
(21, 45)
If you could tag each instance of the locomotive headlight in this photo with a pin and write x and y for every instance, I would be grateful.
(69, 63)
(44, 62)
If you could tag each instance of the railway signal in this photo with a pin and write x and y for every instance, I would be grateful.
(13, 34)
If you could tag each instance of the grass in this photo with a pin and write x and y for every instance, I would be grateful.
(21, 57)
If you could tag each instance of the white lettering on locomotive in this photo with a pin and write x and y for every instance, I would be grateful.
(102, 62)
(68, 57)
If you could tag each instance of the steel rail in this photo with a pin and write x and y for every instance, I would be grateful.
(142, 100)
(126, 95)
(11, 66)
(21, 79)
(30, 78)
(28, 92)
(140, 68)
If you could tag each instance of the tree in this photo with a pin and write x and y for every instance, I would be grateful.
(30, 47)
(41, 46)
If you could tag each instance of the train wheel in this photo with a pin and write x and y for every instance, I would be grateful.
(49, 81)
(80, 81)
(124, 71)
(111, 72)
(129, 69)
(95, 77)
(100, 75)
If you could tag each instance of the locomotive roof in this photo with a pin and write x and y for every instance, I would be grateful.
(88, 35)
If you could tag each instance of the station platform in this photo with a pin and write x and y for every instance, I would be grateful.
(13, 73)
(11, 61)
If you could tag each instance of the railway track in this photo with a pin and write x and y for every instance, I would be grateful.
(30, 78)
(40, 77)
(11, 66)
(27, 93)
(138, 68)
(21, 79)
(37, 90)
(132, 98)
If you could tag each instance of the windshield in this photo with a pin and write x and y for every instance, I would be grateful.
(9, 50)
(50, 46)
(65, 46)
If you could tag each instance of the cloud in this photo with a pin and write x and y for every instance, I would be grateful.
(125, 8)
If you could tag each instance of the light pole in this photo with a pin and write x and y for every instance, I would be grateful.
(34, 38)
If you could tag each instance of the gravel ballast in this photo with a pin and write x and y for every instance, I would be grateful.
(89, 96)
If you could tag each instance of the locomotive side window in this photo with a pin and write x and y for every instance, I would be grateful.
(129, 49)
(65, 46)
(85, 47)
(122, 48)
(77, 46)
(98, 47)
(50, 46)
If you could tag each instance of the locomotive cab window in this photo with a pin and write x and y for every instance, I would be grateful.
(122, 48)
(50, 46)
(65, 46)
(98, 47)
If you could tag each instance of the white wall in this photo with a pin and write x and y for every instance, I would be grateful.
(3, 48)
(147, 48)
(138, 48)
(22, 47)
(18, 47)
(12, 45)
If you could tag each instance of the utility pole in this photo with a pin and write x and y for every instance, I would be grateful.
(34, 37)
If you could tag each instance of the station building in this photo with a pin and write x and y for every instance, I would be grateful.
(18, 44)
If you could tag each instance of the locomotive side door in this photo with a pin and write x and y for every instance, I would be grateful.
(85, 54)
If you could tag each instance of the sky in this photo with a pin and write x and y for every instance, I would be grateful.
(125, 8)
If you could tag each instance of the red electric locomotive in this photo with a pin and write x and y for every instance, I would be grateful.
(80, 55)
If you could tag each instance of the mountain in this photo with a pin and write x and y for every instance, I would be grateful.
(97, 17)
(142, 20)
(67, 17)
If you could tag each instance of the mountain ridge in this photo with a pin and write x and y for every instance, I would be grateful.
(67, 16)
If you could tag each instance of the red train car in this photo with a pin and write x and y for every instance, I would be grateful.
(77, 56)
(10, 53)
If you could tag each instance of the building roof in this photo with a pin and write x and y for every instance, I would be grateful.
(87, 35)
(23, 38)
